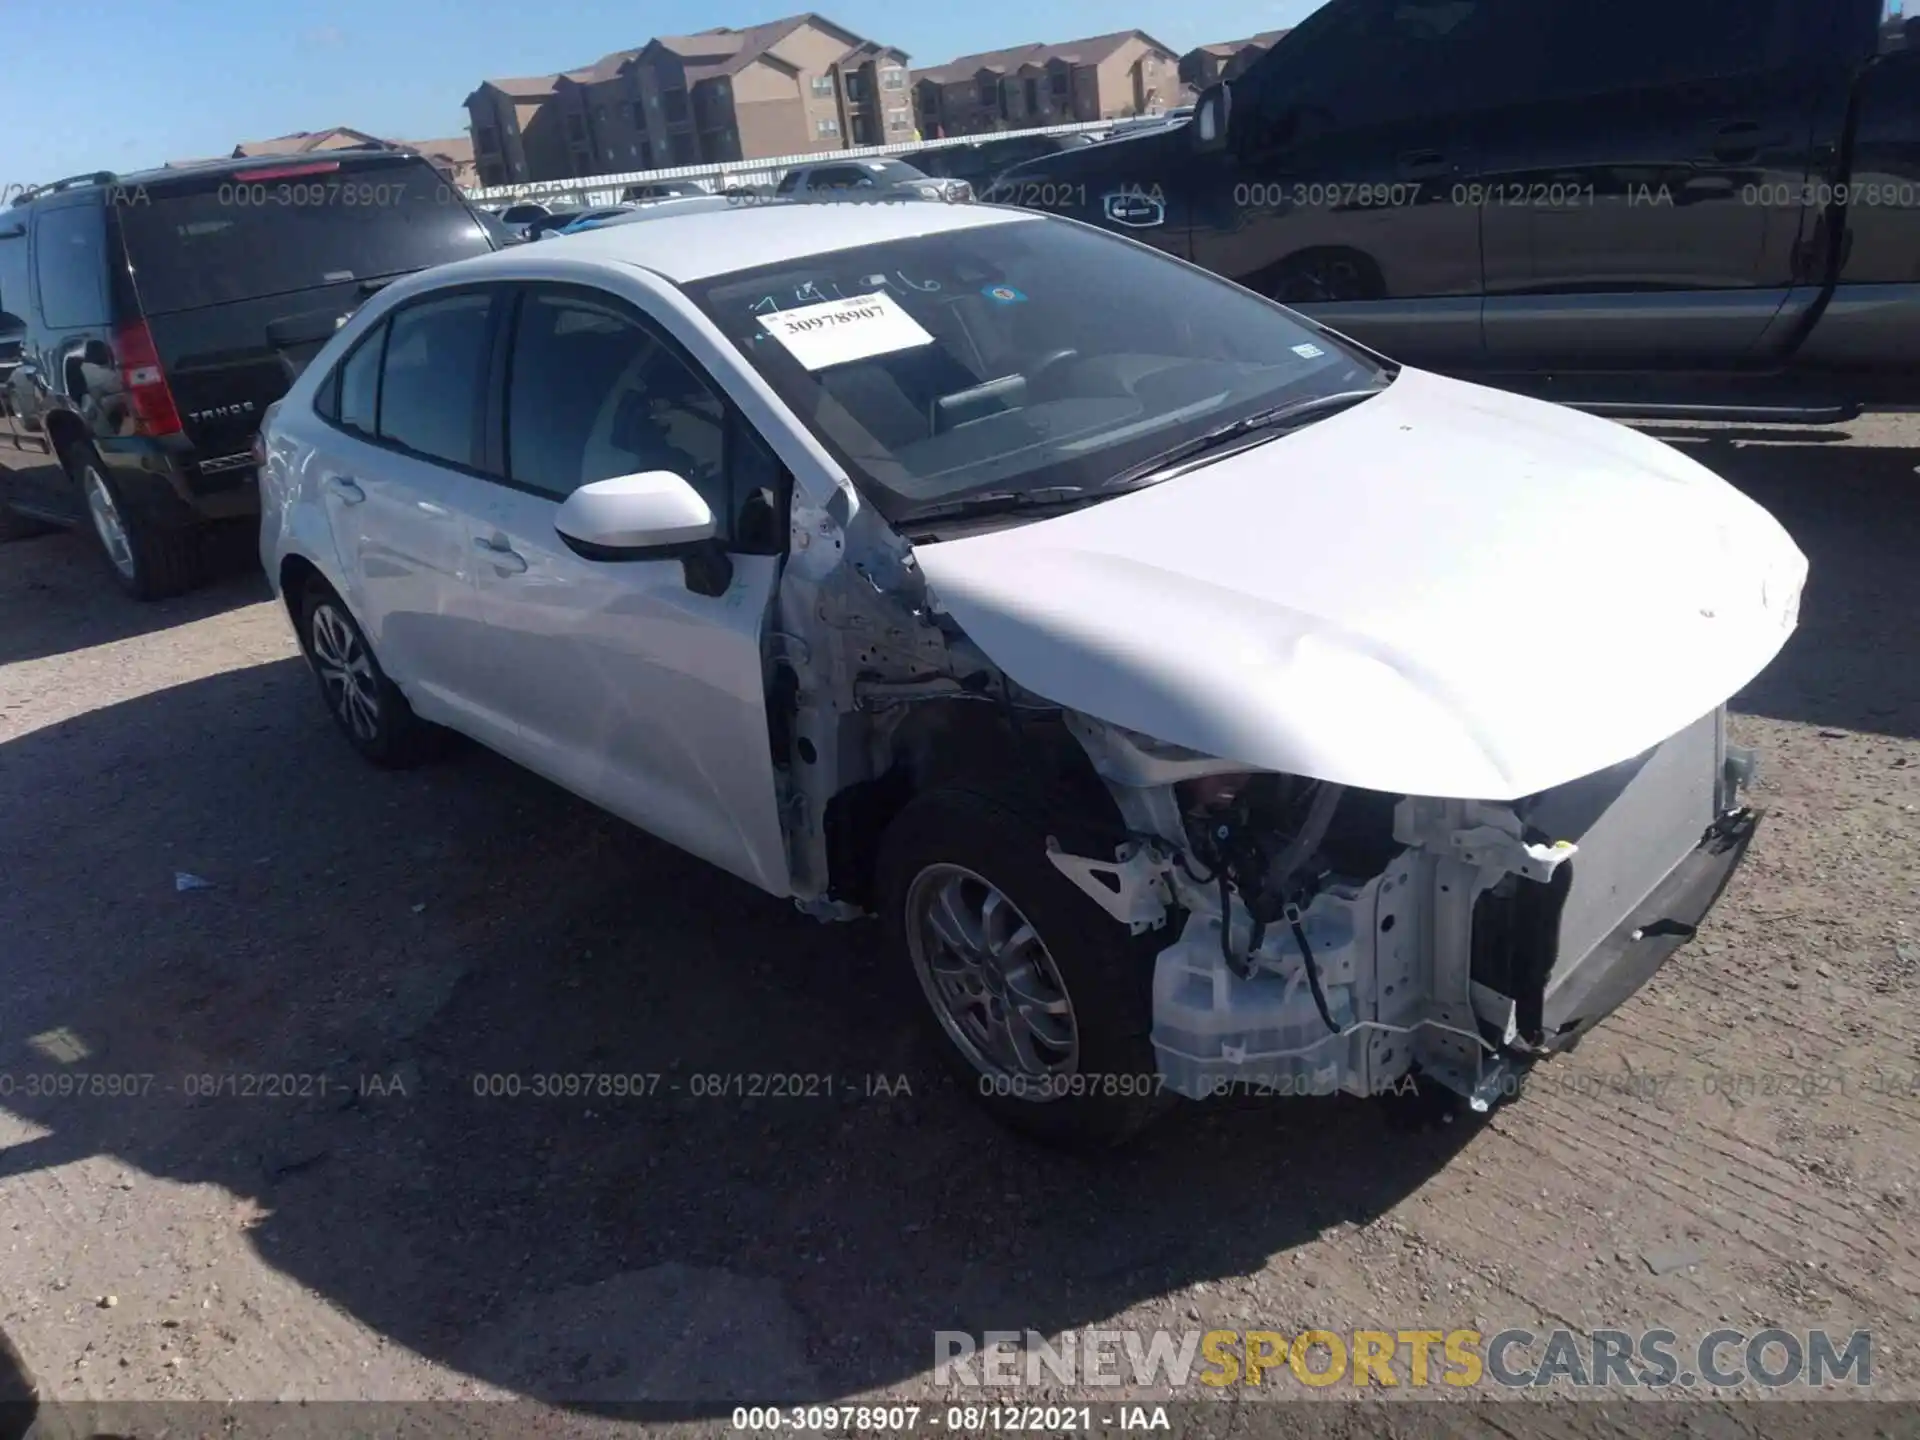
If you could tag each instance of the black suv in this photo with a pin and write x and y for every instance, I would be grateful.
(148, 320)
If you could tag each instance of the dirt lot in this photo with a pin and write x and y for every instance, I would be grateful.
(1746, 1128)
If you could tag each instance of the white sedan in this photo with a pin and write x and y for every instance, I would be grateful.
(1199, 700)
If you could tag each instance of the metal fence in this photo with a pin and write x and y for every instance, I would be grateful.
(605, 189)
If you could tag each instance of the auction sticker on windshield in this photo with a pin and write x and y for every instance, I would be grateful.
(837, 331)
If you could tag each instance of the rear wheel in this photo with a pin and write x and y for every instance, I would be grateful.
(1039, 1000)
(367, 706)
(146, 557)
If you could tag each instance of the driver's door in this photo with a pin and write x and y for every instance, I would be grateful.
(637, 684)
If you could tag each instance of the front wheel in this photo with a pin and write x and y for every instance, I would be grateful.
(1039, 1000)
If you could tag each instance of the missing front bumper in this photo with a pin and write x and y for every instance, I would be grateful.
(1599, 983)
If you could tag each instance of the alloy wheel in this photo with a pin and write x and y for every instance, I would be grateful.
(988, 975)
(107, 522)
(346, 671)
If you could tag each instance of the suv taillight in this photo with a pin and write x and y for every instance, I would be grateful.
(145, 382)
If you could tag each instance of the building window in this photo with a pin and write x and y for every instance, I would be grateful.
(1061, 83)
(823, 84)
(489, 139)
(826, 127)
(600, 113)
(575, 130)
(893, 77)
(854, 88)
(1032, 89)
(676, 106)
(896, 119)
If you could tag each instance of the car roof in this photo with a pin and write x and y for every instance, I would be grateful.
(704, 240)
(191, 170)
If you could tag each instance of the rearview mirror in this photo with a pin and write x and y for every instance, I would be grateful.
(654, 515)
(1210, 113)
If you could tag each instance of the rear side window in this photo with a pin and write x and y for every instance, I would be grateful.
(238, 238)
(357, 401)
(13, 275)
(789, 183)
(1638, 43)
(432, 375)
(70, 265)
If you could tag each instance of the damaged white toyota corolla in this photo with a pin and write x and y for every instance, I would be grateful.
(1198, 699)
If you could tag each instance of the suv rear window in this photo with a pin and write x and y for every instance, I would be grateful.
(278, 228)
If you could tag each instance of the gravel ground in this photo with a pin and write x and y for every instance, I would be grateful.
(1737, 1146)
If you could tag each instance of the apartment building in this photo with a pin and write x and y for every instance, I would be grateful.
(787, 87)
(1104, 77)
(1205, 64)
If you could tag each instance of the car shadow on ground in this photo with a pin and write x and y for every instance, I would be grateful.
(1854, 663)
(418, 955)
(427, 941)
(62, 578)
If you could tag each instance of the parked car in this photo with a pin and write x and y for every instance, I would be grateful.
(663, 189)
(680, 205)
(867, 180)
(979, 161)
(557, 218)
(882, 558)
(588, 219)
(1703, 208)
(158, 314)
(520, 214)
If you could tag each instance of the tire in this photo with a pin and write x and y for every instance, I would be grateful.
(1107, 1087)
(147, 558)
(367, 706)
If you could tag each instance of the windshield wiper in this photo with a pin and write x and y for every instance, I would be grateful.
(993, 502)
(1279, 419)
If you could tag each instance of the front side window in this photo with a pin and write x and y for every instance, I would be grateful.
(593, 393)
(1015, 357)
(1694, 40)
(432, 376)
(69, 262)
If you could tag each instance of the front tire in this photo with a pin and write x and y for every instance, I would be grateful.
(367, 706)
(148, 559)
(1039, 1000)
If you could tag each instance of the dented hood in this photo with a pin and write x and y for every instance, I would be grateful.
(1446, 590)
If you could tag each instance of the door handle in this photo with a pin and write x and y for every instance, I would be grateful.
(347, 488)
(501, 555)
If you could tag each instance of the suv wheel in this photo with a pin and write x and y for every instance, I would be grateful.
(149, 560)
(367, 706)
(1039, 1000)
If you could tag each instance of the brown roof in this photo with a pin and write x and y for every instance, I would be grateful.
(1225, 48)
(527, 85)
(1089, 51)
(457, 148)
(722, 50)
(300, 142)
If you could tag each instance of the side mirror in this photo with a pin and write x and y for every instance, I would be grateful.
(1210, 114)
(654, 515)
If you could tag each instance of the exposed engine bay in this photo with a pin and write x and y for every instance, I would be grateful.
(1319, 938)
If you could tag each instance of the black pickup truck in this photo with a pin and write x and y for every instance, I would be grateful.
(1649, 207)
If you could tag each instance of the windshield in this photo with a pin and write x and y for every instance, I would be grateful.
(1015, 358)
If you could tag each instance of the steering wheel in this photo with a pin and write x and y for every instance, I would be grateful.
(1038, 370)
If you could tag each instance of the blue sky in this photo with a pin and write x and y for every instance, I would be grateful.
(172, 79)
